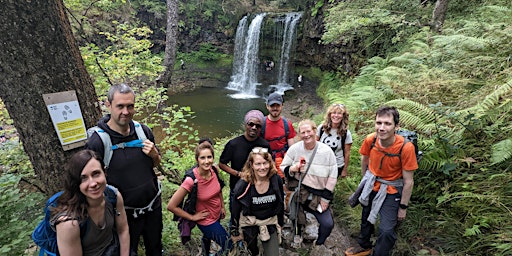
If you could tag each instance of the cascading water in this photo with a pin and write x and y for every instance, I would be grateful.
(290, 23)
(245, 64)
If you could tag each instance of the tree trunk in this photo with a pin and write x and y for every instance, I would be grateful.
(39, 55)
(170, 43)
(438, 15)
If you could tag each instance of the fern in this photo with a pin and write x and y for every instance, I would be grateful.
(501, 151)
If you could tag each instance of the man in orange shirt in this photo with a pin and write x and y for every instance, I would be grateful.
(387, 165)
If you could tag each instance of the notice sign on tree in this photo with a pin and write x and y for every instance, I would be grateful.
(67, 118)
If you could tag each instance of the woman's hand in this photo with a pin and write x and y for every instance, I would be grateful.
(324, 205)
(200, 215)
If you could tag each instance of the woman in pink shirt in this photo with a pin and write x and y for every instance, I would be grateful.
(210, 202)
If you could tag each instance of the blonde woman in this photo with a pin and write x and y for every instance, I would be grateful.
(334, 133)
(258, 204)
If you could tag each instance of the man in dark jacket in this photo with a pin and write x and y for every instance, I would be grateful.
(131, 168)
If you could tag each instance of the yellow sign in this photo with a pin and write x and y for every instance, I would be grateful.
(67, 118)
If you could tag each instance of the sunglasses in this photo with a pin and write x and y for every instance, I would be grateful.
(259, 150)
(251, 124)
(338, 105)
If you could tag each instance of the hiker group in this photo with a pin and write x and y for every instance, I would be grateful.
(274, 179)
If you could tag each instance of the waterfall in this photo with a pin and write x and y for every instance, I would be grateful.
(290, 23)
(245, 64)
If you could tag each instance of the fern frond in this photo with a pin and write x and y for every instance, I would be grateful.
(413, 114)
(491, 101)
(501, 151)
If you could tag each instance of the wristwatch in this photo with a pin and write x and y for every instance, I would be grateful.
(403, 206)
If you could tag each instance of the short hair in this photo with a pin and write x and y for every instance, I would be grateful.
(202, 146)
(309, 122)
(120, 88)
(387, 110)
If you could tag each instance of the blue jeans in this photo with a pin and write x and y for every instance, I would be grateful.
(388, 220)
(217, 233)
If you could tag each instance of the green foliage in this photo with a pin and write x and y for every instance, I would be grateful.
(18, 215)
(207, 52)
(319, 4)
(128, 59)
(454, 89)
(379, 25)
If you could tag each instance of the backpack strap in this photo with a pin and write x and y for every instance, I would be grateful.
(108, 148)
(111, 195)
(399, 155)
(221, 182)
(285, 136)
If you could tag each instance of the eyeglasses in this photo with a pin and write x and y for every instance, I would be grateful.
(251, 124)
(259, 150)
(338, 105)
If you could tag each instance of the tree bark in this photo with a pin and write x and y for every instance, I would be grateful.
(170, 43)
(438, 15)
(39, 55)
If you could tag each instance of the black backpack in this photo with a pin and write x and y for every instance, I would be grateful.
(409, 136)
(189, 204)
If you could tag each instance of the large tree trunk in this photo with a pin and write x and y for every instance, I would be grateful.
(39, 55)
(170, 43)
(438, 15)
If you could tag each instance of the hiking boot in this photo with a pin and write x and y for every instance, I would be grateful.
(358, 251)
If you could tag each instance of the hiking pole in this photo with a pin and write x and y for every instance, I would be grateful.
(298, 191)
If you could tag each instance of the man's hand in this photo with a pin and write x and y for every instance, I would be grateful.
(401, 214)
(149, 148)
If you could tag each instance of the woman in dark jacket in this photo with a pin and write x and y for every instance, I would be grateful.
(258, 210)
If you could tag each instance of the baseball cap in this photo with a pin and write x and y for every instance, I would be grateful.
(275, 98)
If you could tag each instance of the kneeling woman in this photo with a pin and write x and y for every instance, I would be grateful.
(210, 203)
(83, 205)
(258, 206)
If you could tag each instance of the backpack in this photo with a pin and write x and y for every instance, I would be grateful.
(189, 204)
(409, 136)
(286, 133)
(45, 236)
(343, 138)
(107, 143)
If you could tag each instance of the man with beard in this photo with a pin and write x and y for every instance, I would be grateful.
(277, 130)
(237, 150)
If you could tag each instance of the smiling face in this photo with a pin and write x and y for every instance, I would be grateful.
(336, 117)
(93, 180)
(307, 132)
(122, 109)
(253, 128)
(385, 127)
(205, 159)
(260, 166)
(274, 110)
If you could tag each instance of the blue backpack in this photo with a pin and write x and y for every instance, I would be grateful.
(44, 234)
